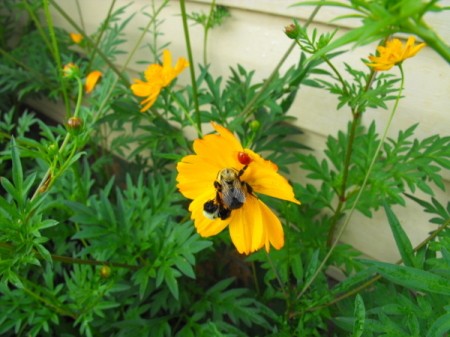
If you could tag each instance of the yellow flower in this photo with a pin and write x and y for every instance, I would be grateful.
(394, 53)
(223, 181)
(91, 80)
(157, 77)
(76, 37)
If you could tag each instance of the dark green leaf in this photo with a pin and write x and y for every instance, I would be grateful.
(412, 278)
(401, 239)
(360, 316)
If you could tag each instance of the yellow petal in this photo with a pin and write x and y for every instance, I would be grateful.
(76, 37)
(182, 64)
(246, 228)
(141, 88)
(195, 176)
(167, 59)
(91, 80)
(218, 150)
(273, 228)
(262, 176)
(206, 227)
(153, 74)
(228, 136)
(150, 100)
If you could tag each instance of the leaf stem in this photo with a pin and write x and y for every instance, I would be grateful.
(248, 109)
(192, 66)
(205, 35)
(378, 277)
(53, 46)
(358, 196)
(356, 114)
(72, 260)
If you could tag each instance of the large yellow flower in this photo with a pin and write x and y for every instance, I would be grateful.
(394, 53)
(224, 180)
(157, 77)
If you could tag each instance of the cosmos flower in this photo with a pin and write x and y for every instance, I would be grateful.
(157, 77)
(91, 80)
(223, 180)
(394, 53)
(76, 37)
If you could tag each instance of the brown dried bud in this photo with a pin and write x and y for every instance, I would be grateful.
(74, 123)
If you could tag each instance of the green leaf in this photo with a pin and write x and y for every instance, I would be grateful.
(412, 278)
(401, 239)
(170, 275)
(312, 266)
(17, 173)
(360, 316)
(440, 326)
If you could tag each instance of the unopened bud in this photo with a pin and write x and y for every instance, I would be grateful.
(105, 271)
(71, 70)
(292, 31)
(254, 125)
(74, 123)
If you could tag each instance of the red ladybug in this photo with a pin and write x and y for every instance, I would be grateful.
(244, 158)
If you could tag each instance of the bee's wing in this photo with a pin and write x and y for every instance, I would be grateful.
(233, 196)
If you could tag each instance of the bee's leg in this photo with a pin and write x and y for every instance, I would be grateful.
(224, 213)
(249, 189)
(241, 172)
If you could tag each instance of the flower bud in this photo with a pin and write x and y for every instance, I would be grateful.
(105, 271)
(254, 125)
(76, 37)
(74, 123)
(292, 31)
(71, 70)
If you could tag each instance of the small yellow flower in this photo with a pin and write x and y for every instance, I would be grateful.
(91, 80)
(76, 37)
(71, 70)
(157, 77)
(394, 53)
(223, 181)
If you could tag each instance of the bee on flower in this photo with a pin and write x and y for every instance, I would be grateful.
(223, 180)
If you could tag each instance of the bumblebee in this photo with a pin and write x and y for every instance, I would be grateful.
(230, 194)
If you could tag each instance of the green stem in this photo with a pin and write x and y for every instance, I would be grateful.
(186, 114)
(52, 44)
(366, 178)
(207, 27)
(49, 303)
(430, 37)
(91, 43)
(192, 67)
(248, 109)
(48, 178)
(103, 28)
(378, 277)
(80, 16)
(341, 194)
(72, 260)
(348, 154)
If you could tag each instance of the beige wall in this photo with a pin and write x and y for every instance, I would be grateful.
(253, 37)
